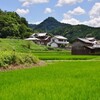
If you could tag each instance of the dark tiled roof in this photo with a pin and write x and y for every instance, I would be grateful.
(85, 40)
(95, 46)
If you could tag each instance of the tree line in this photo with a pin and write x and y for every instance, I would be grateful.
(12, 25)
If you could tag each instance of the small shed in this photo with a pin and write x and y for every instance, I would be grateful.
(85, 46)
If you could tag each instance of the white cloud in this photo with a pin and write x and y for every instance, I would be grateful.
(90, 0)
(93, 22)
(69, 19)
(22, 11)
(48, 10)
(68, 2)
(95, 11)
(30, 2)
(37, 22)
(26, 4)
(77, 11)
(94, 17)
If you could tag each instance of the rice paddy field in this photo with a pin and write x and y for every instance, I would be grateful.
(63, 55)
(67, 80)
(62, 77)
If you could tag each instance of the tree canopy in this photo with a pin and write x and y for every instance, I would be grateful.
(12, 25)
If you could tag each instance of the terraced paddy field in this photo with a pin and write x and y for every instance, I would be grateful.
(62, 77)
(67, 80)
(63, 55)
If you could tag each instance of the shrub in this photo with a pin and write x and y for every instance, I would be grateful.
(7, 58)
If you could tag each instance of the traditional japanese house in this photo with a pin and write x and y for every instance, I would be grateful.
(58, 41)
(85, 46)
(40, 38)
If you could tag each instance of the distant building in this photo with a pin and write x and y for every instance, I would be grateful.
(58, 41)
(45, 39)
(85, 46)
(41, 38)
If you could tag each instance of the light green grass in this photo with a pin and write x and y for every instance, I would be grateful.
(19, 45)
(74, 80)
(63, 55)
(14, 58)
(68, 80)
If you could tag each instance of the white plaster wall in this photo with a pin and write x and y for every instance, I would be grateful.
(54, 45)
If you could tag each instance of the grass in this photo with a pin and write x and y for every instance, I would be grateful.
(19, 45)
(63, 55)
(42, 52)
(13, 58)
(78, 78)
(75, 80)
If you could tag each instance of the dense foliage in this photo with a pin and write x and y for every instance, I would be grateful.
(54, 27)
(17, 51)
(12, 25)
(13, 58)
(49, 24)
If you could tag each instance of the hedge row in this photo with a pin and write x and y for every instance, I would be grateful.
(8, 58)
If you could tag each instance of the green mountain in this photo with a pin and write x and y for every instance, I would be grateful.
(54, 27)
(12, 25)
(49, 24)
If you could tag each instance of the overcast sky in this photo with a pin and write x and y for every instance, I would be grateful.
(67, 11)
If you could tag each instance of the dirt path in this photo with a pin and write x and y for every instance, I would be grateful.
(68, 60)
(15, 67)
(40, 64)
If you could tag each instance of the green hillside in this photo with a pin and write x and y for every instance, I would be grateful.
(12, 25)
(19, 45)
(49, 24)
(54, 27)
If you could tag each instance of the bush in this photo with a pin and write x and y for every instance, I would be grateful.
(7, 59)
(55, 49)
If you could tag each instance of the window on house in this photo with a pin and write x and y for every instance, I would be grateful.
(60, 40)
(53, 40)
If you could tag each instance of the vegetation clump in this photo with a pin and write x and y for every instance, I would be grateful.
(11, 58)
(12, 25)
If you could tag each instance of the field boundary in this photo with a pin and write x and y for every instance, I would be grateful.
(21, 66)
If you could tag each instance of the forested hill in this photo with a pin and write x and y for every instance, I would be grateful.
(12, 25)
(49, 24)
(52, 26)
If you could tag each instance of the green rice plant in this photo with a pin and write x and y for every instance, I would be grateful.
(63, 55)
(67, 80)
(66, 57)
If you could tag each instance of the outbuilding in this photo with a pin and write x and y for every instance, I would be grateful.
(85, 46)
